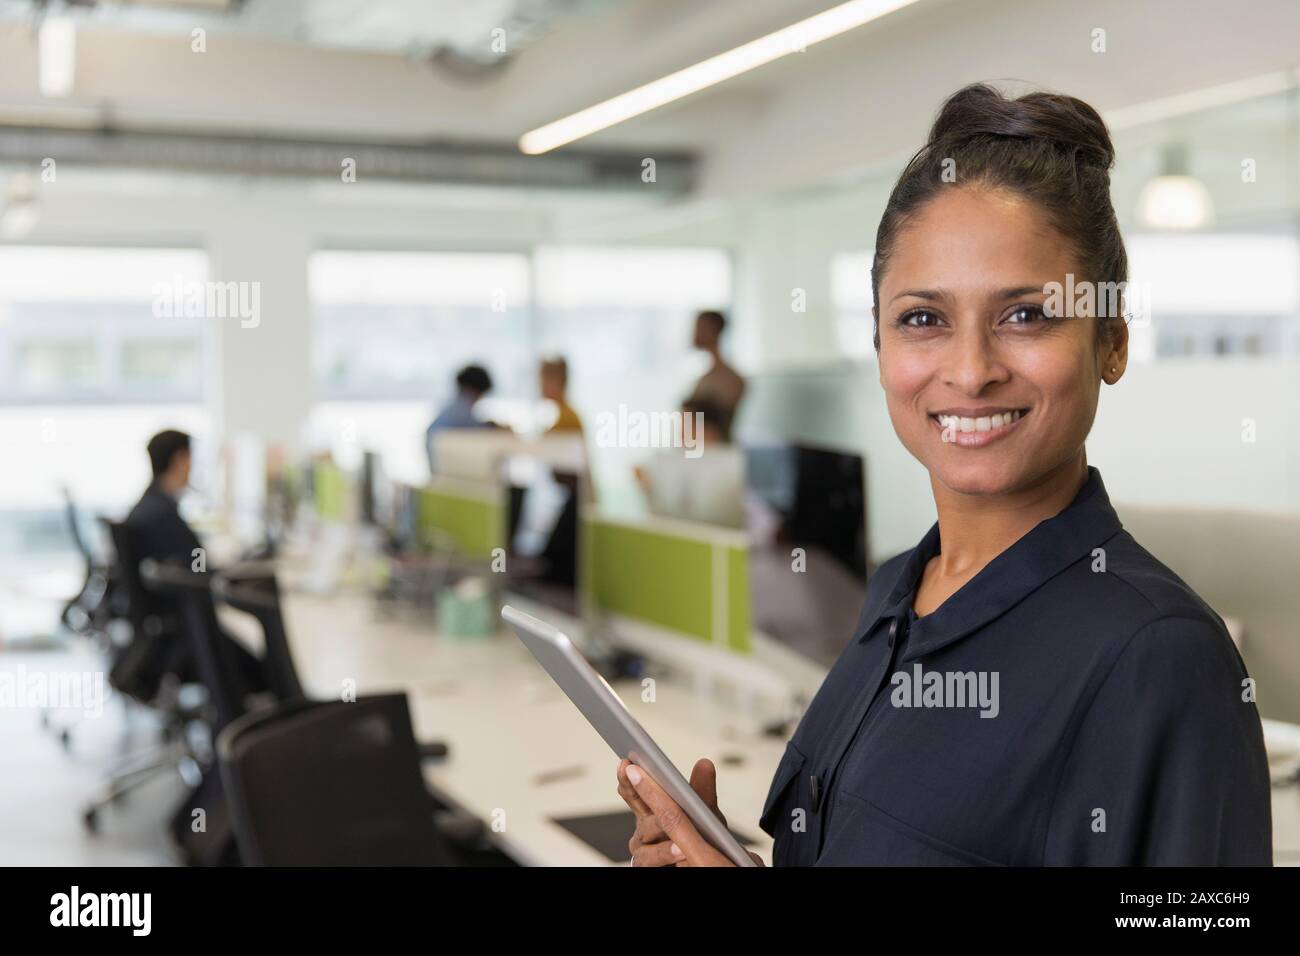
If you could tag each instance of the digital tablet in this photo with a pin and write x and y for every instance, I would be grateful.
(615, 723)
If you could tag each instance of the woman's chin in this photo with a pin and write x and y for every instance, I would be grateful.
(980, 477)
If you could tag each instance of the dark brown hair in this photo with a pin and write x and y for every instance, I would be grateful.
(715, 318)
(164, 447)
(1050, 149)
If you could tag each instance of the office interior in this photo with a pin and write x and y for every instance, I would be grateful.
(354, 176)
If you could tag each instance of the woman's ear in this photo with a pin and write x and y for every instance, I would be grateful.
(875, 335)
(1115, 359)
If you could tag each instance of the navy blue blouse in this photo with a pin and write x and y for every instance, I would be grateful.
(1075, 703)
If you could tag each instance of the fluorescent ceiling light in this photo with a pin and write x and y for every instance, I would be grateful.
(1210, 97)
(57, 45)
(724, 66)
(1175, 199)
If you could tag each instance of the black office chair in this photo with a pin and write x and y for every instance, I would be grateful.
(230, 694)
(88, 611)
(148, 673)
(258, 595)
(331, 783)
(139, 667)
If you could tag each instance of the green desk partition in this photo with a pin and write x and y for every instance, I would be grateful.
(738, 620)
(475, 521)
(330, 491)
(670, 579)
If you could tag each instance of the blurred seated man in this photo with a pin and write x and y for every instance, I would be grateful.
(160, 533)
(156, 524)
(702, 481)
(472, 383)
(554, 380)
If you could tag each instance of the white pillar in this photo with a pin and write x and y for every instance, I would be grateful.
(265, 381)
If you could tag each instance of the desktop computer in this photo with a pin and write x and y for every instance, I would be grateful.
(807, 515)
(542, 503)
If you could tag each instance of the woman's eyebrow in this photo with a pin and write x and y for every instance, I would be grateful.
(928, 294)
(1013, 291)
(1010, 292)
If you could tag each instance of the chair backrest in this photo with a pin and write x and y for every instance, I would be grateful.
(74, 530)
(260, 597)
(141, 607)
(329, 783)
(192, 592)
(138, 668)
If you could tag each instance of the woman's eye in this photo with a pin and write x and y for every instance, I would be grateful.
(919, 319)
(1025, 314)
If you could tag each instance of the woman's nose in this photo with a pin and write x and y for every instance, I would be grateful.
(972, 361)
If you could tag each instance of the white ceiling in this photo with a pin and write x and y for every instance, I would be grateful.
(403, 27)
(856, 100)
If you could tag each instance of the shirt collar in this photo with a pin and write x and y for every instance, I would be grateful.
(1048, 549)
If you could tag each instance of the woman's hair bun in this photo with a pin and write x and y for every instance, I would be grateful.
(1069, 123)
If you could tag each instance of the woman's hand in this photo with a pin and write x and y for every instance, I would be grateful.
(665, 835)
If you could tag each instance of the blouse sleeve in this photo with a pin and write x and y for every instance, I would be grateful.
(1167, 767)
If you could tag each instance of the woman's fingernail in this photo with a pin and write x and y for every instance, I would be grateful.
(633, 774)
(676, 851)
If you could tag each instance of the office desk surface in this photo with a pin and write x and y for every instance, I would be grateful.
(521, 755)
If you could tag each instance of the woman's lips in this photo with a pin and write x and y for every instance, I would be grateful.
(976, 431)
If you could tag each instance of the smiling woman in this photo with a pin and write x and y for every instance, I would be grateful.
(1125, 731)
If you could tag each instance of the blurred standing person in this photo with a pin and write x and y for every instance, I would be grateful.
(721, 386)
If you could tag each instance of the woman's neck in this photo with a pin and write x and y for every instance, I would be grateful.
(975, 529)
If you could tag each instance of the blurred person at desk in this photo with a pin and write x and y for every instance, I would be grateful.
(160, 533)
(703, 480)
(553, 378)
(1129, 733)
(472, 383)
(721, 386)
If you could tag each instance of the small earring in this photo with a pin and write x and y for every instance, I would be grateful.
(1113, 370)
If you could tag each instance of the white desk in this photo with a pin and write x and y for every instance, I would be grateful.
(506, 723)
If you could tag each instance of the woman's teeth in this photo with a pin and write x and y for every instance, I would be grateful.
(983, 424)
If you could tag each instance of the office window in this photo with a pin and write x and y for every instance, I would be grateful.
(1202, 306)
(391, 331)
(851, 303)
(87, 374)
(395, 325)
(85, 364)
(78, 324)
(623, 318)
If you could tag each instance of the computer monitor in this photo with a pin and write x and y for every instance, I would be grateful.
(404, 518)
(542, 532)
(707, 490)
(369, 488)
(807, 514)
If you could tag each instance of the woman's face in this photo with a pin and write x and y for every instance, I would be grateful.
(986, 390)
